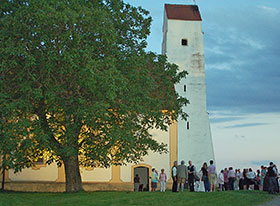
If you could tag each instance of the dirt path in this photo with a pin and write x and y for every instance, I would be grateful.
(274, 202)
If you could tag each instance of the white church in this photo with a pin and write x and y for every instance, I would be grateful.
(186, 140)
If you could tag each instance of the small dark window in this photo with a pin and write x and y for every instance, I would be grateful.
(185, 88)
(188, 125)
(184, 42)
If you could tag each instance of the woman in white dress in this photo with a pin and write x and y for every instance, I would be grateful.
(199, 185)
(220, 180)
(237, 178)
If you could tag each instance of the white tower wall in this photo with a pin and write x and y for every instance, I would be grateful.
(194, 140)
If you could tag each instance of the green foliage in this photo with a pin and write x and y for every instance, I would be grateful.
(76, 80)
(15, 150)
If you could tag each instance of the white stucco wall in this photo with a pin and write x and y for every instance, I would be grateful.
(176, 30)
(48, 173)
(96, 175)
(155, 160)
(194, 143)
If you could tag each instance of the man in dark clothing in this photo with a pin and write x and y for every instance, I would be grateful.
(191, 171)
(174, 176)
(271, 173)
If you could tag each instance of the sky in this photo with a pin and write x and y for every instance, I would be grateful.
(242, 65)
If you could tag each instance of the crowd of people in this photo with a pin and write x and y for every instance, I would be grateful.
(266, 179)
(207, 179)
(187, 176)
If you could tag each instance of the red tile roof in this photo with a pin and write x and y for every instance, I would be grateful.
(182, 12)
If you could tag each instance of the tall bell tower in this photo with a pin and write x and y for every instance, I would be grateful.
(183, 45)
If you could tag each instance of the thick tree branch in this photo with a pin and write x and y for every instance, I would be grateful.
(41, 112)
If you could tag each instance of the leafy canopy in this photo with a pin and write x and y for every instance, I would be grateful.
(76, 80)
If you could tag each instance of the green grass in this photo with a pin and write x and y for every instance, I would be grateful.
(235, 198)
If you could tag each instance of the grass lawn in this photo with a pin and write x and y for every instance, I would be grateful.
(235, 198)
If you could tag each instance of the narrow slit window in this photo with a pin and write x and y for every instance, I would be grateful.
(188, 125)
(184, 42)
(185, 88)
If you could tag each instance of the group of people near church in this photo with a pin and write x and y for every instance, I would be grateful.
(266, 179)
(207, 179)
(183, 175)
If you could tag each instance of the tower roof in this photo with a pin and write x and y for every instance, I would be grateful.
(182, 12)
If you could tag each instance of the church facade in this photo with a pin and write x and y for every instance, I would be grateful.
(186, 140)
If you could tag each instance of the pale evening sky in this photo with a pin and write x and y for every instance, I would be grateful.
(242, 53)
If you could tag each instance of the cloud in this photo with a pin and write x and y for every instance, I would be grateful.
(269, 10)
(245, 125)
(242, 59)
(225, 119)
(233, 120)
(218, 117)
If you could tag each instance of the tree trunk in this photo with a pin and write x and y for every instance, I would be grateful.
(72, 174)
(3, 179)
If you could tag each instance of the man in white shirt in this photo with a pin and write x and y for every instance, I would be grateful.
(231, 178)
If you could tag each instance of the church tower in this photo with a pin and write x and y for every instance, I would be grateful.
(183, 45)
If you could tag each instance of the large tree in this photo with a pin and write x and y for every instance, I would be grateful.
(78, 85)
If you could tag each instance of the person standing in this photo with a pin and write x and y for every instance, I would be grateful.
(220, 180)
(276, 190)
(237, 179)
(271, 173)
(205, 178)
(245, 179)
(191, 173)
(231, 178)
(174, 176)
(136, 183)
(154, 180)
(182, 174)
(265, 181)
(241, 181)
(257, 186)
(212, 176)
(251, 179)
(226, 178)
(162, 179)
(263, 173)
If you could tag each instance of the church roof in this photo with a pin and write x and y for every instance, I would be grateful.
(182, 12)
